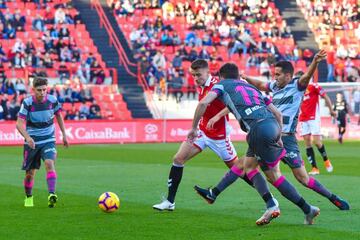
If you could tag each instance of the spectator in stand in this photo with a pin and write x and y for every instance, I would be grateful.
(4, 104)
(265, 69)
(18, 61)
(2, 115)
(49, 15)
(84, 110)
(59, 94)
(19, 22)
(331, 64)
(159, 60)
(177, 61)
(64, 32)
(193, 55)
(20, 86)
(307, 55)
(168, 10)
(65, 54)
(60, 16)
(38, 23)
(204, 54)
(63, 72)
(94, 110)
(175, 87)
(68, 92)
(8, 87)
(48, 62)
(14, 108)
(191, 87)
(86, 94)
(96, 74)
(252, 61)
(72, 114)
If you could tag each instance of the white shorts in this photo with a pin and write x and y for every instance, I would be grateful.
(222, 147)
(311, 127)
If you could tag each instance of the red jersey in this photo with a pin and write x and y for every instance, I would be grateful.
(310, 108)
(219, 130)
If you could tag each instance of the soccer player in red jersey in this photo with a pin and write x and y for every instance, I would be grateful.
(216, 138)
(311, 123)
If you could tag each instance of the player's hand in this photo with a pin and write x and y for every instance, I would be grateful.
(242, 75)
(333, 114)
(192, 135)
(319, 56)
(30, 142)
(211, 123)
(65, 141)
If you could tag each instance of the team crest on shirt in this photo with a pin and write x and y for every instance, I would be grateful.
(50, 106)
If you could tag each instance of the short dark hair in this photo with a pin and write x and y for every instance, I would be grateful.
(286, 67)
(39, 82)
(199, 64)
(229, 71)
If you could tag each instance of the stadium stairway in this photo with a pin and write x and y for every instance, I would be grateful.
(132, 92)
(303, 35)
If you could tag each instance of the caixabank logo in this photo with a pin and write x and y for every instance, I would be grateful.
(151, 132)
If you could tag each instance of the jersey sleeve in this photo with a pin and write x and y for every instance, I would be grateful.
(24, 110)
(218, 89)
(267, 101)
(320, 91)
(57, 107)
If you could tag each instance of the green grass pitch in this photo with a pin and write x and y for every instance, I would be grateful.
(138, 174)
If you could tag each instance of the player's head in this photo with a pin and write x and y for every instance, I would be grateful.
(199, 69)
(339, 97)
(229, 71)
(284, 72)
(40, 88)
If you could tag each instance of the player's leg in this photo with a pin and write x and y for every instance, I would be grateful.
(306, 134)
(272, 205)
(186, 151)
(48, 153)
(28, 186)
(288, 191)
(321, 147)
(313, 184)
(311, 155)
(30, 163)
(236, 171)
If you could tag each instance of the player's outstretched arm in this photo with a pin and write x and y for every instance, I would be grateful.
(199, 112)
(60, 121)
(20, 126)
(217, 117)
(261, 85)
(305, 78)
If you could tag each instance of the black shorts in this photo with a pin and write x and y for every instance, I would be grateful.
(33, 157)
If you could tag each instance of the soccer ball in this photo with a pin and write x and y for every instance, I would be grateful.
(109, 202)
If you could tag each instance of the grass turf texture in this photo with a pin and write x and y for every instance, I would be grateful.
(138, 174)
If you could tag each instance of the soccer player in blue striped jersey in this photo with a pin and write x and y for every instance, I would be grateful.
(287, 97)
(36, 124)
(263, 123)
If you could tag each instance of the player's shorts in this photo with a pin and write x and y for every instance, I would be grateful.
(310, 127)
(341, 121)
(222, 147)
(263, 143)
(33, 157)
